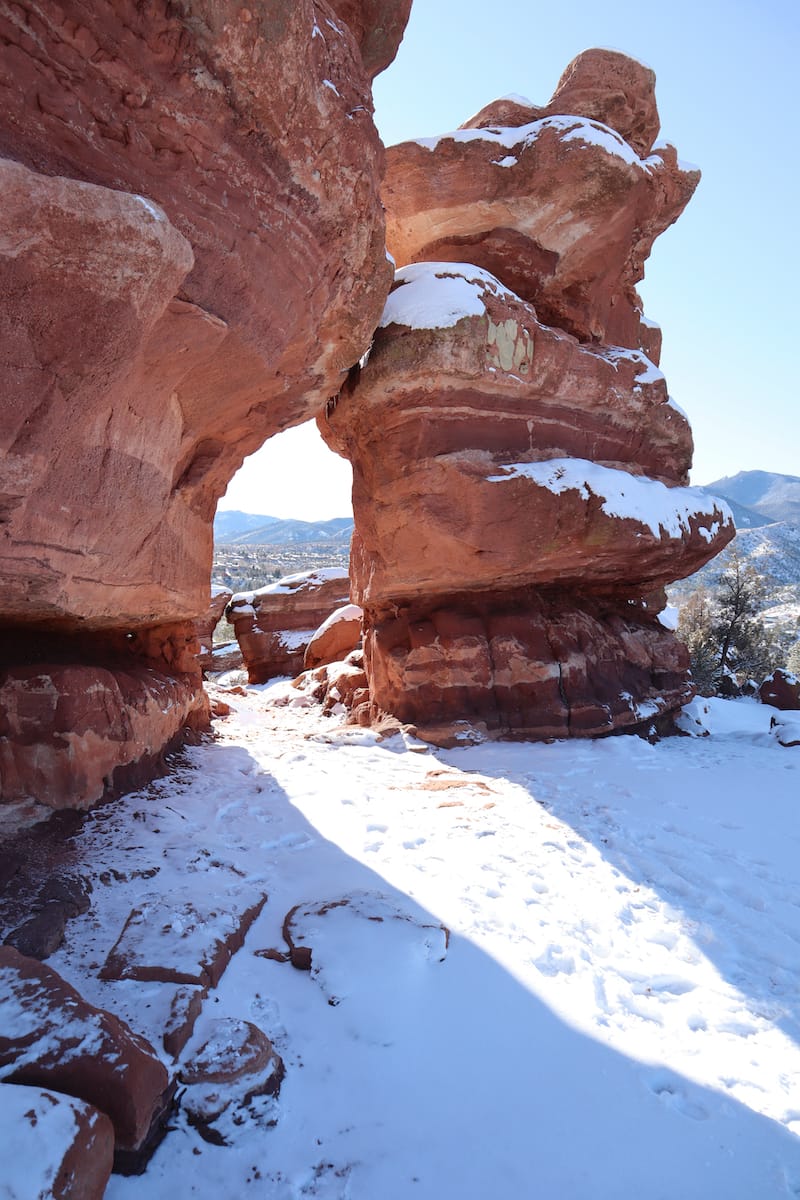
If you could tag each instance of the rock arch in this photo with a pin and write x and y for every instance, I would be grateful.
(191, 258)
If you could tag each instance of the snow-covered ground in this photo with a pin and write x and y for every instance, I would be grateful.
(617, 1013)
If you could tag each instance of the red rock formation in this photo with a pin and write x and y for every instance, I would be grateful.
(275, 624)
(172, 940)
(336, 637)
(236, 1064)
(517, 423)
(561, 208)
(205, 625)
(781, 689)
(52, 1038)
(378, 26)
(62, 1147)
(191, 258)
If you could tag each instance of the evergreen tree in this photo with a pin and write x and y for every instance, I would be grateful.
(727, 639)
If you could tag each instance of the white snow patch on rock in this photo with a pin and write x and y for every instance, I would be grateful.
(437, 295)
(665, 511)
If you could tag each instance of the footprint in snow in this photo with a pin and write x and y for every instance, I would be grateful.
(555, 961)
(672, 1092)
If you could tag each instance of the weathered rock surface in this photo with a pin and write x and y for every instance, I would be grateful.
(226, 657)
(603, 85)
(183, 941)
(56, 1146)
(71, 734)
(781, 689)
(191, 257)
(235, 1066)
(538, 663)
(561, 208)
(378, 26)
(185, 1008)
(205, 625)
(275, 624)
(51, 1038)
(511, 410)
(336, 637)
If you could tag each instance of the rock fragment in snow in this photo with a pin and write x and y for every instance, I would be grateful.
(235, 1065)
(173, 940)
(786, 729)
(186, 1006)
(781, 689)
(52, 1038)
(56, 1146)
(336, 637)
(324, 937)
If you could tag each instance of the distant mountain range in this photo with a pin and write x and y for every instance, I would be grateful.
(759, 497)
(766, 509)
(255, 529)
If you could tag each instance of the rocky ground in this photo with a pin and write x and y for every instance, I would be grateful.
(563, 969)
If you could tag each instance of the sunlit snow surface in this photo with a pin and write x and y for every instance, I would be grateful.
(616, 1016)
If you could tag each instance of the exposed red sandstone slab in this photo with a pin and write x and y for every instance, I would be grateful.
(183, 941)
(604, 85)
(275, 624)
(336, 637)
(563, 209)
(253, 133)
(519, 456)
(459, 353)
(71, 734)
(63, 1148)
(540, 470)
(536, 664)
(781, 689)
(52, 1038)
(205, 625)
(185, 1008)
(191, 256)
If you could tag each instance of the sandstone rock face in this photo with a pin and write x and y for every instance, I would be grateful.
(378, 26)
(63, 1148)
(52, 1038)
(205, 625)
(191, 258)
(781, 689)
(512, 411)
(336, 637)
(71, 734)
(275, 624)
(603, 85)
(562, 208)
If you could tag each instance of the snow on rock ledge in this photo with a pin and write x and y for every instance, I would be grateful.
(666, 512)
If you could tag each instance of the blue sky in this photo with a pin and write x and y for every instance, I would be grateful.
(723, 282)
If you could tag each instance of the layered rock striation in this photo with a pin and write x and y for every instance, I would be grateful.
(191, 258)
(520, 472)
